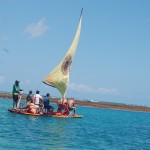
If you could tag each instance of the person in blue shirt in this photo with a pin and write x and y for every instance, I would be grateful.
(47, 105)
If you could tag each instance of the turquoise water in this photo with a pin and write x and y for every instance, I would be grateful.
(100, 129)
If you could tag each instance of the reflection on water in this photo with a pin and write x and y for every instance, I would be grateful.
(56, 132)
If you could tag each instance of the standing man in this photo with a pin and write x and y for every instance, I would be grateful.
(15, 93)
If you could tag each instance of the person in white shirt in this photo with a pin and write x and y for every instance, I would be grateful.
(37, 98)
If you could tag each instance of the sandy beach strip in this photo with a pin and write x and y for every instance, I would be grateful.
(95, 104)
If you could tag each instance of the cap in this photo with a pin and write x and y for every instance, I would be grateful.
(17, 81)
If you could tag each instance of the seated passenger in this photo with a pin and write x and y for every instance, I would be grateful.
(71, 105)
(31, 108)
(29, 97)
(63, 107)
(47, 105)
(36, 100)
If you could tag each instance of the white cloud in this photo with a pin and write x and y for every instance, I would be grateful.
(112, 91)
(85, 88)
(36, 29)
(80, 87)
(2, 79)
(27, 82)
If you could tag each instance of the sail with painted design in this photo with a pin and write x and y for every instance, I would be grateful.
(59, 76)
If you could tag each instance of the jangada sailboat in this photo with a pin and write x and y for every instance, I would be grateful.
(59, 76)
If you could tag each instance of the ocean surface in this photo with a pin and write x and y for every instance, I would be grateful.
(99, 129)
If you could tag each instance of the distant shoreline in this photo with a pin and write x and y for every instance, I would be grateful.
(94, 104)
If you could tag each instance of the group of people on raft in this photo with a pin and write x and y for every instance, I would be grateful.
(36, 104)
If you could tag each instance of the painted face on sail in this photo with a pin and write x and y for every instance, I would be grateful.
(66, 65)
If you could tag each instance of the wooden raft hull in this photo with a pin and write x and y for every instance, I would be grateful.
(24, 112)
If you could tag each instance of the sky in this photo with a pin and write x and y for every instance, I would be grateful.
(112, 60)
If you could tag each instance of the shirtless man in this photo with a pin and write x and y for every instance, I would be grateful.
(31, 108)
(62, 104)
(71, 105)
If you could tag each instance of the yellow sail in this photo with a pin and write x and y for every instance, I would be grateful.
(59, 77)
